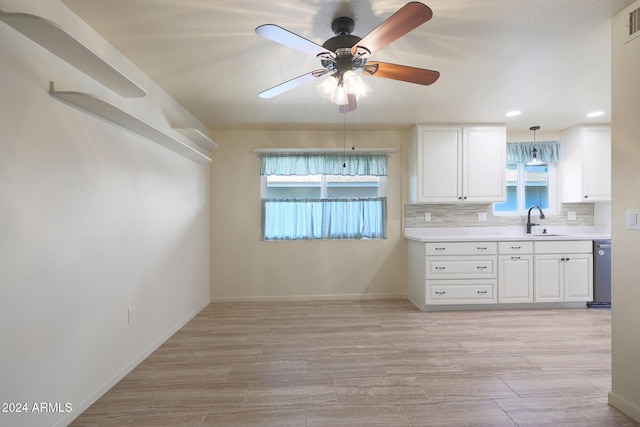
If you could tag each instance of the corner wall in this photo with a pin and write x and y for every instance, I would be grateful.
(245, 268)
(93, 220)
(625, 290)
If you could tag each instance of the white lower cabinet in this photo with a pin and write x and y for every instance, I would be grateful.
(453, 273)
(563, 271)
(461, 291)
(516, 272)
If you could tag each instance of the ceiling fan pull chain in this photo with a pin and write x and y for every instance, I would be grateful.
(344, 140)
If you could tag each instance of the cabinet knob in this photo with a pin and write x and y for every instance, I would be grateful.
(465, 197)
(586, 196)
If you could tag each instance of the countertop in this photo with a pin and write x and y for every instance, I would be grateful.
(478, 234)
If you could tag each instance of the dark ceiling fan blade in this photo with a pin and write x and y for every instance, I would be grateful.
(347, 108)
(407, 18)
(293, 83)
(287, 38)
(401, 72)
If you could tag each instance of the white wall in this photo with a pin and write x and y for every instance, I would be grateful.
(625, 391)
(93, 220)
(246, 268)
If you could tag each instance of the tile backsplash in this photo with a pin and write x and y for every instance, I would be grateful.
(466, 215)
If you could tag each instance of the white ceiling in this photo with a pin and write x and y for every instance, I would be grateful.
(548, 58)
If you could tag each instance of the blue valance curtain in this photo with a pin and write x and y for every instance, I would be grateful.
(323, 163)
(522, 152)
(324, 218)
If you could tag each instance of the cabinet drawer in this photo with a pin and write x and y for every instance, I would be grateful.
(461, 248)
(564, 247)
(508, 248)
(460, 267)
(461, 292)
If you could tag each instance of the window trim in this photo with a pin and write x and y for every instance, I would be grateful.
(382, 186)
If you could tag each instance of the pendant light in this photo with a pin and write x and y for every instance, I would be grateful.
(534, 160)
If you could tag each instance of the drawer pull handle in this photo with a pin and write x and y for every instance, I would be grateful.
(516, 247)
(481, 248)
(481, 267)
(440, 292)
(440, 268)
(440, 249)
(515, 257)
(482, 292)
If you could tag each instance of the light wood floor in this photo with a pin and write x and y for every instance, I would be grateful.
(371, 363)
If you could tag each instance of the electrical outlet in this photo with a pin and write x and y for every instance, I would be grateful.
(427, 216)
(571, 216)
(482, 216)
(132, 314)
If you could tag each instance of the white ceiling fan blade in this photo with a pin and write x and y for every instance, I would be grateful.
(287, 38)
(293, 83)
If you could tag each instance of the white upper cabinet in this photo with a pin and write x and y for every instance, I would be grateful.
(450, 164)
(586, 164)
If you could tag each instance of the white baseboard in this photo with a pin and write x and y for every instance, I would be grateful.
(93, 397)
(630, 409)
(333, 297)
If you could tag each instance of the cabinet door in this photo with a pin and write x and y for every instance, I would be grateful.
(548, 278)
(597, 165)
(586, 164)
(484, 163)
(578, 277)
(439, 164)
(515, 279)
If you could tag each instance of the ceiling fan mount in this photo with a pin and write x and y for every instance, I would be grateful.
(346, 53)
(341, 45)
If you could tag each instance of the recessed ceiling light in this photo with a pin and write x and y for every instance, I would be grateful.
(595, 114)
(513, 113)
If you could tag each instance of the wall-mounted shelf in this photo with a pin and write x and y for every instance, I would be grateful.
(198, 137)
(103, 109)
(62, 44)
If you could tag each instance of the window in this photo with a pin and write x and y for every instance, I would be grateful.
(529, 185)
(323, 196)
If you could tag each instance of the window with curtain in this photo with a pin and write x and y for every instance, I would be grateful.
(323, 196)
(530, 184)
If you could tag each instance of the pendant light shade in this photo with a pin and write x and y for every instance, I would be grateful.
(534, 155)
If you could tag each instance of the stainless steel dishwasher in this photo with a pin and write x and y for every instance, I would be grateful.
(601, 274)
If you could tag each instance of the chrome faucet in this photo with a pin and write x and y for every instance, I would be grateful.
(529, 224)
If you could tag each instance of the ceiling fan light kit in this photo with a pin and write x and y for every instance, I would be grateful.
(343, 55)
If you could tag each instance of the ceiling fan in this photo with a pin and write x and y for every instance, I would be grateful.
(344, 54)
